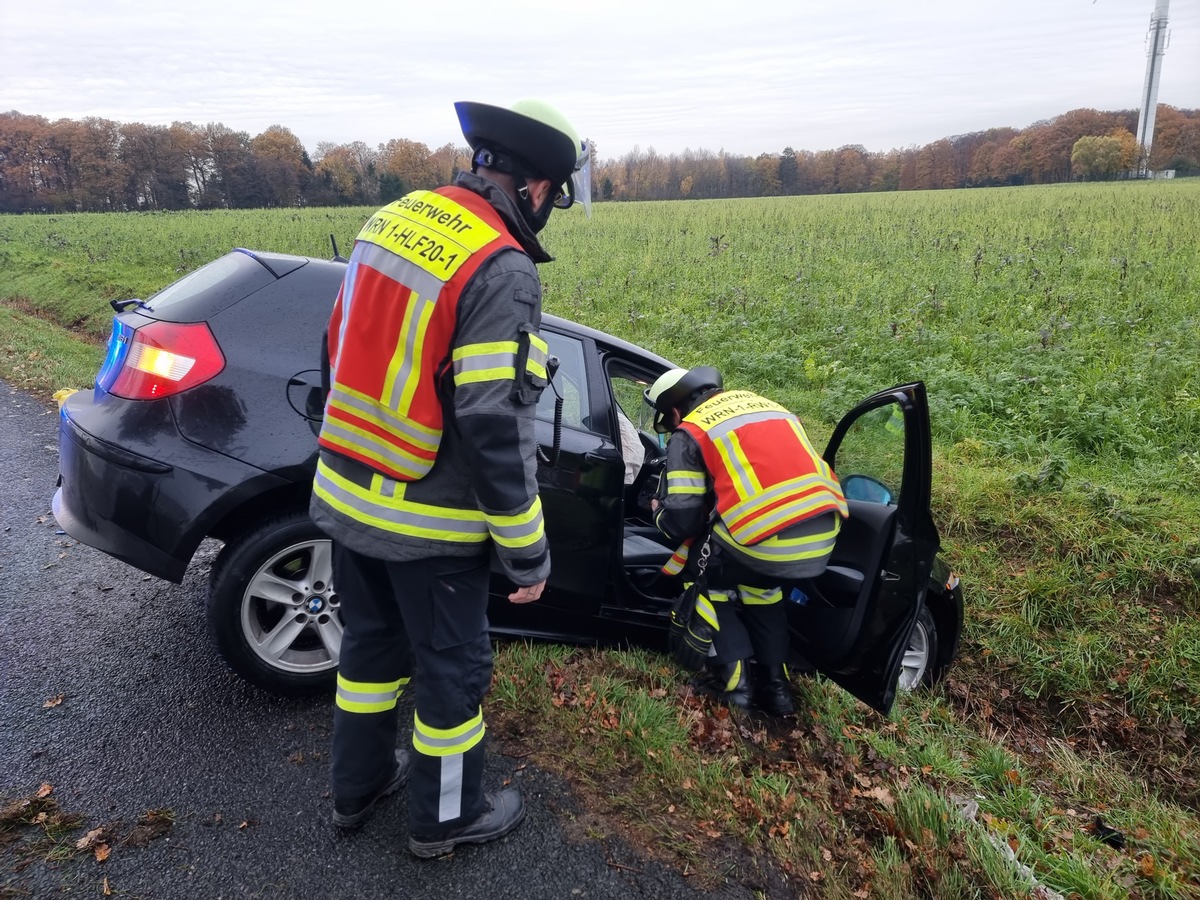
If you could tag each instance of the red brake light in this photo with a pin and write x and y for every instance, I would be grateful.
(165, 358)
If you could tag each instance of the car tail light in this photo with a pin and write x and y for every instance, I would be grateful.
(159, 359)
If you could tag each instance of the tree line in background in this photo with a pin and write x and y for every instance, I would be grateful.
(97, 164)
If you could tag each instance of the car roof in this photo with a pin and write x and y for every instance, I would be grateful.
(569, 326)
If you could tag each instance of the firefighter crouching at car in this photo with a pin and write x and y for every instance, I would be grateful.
(778, 507)
(427, 465)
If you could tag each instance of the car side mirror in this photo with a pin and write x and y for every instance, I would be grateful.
(864, 487)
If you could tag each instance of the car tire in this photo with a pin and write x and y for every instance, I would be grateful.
(919, 665)
(272, 609)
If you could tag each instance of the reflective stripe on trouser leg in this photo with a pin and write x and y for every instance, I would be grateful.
(373, 671)
(445, 611)
(731, 642)
(454, 748)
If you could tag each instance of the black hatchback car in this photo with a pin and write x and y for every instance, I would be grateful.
(202, 424)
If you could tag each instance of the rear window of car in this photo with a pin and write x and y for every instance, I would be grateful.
(211, 288)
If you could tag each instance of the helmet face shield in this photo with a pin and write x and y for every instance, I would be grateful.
(579, 188)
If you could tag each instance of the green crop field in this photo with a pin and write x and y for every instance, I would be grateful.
(1057, 330)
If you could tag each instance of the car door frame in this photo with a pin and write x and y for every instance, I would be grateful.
(890, 588)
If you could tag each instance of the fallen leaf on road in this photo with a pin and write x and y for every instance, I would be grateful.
(101, 853)
(54, 701)
(89, 839)
(45, 790)
(107, 889)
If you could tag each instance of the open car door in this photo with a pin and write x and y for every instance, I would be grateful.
(853, 622)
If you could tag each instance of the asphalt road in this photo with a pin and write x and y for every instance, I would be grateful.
(149, 719)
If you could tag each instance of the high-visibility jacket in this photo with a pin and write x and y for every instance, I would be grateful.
(437, 318)
(765, 473)
(414, 256)
(779, 504)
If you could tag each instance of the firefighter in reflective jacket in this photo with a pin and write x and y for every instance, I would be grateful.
(427, 466)
(778, 509)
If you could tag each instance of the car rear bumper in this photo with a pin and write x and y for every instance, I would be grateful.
(150, 501)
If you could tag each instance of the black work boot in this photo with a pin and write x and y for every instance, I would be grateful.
(353, 811)
(726, 683)
(772, 693)
(503, 812)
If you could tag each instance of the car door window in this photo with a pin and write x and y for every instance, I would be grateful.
(570, 381)
(870, 459)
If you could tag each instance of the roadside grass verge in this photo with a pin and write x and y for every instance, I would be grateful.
(41, 357)
(932, 802)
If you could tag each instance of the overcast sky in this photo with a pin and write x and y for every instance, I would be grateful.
(748, 77)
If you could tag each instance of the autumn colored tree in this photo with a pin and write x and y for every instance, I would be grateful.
(156, 166)
(98, 164)
(282, 164)
(231, 184)
(1176, 142)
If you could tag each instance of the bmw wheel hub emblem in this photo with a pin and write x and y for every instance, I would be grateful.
(315, 605)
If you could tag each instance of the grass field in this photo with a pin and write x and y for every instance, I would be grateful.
(1056, 328)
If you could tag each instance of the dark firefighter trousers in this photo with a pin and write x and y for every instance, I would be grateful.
(425, 621)
(754, 623)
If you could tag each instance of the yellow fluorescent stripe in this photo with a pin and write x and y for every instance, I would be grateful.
(484, 349)
(750, 474)
(447, 734)
(790, 551)
(399, 503)
(434, 534)
(747, 534)
(536, 369)
(369, 687)
(518, 543)
(417, 468)
(432, 442)
(412, 302)
(501, 373)
(415, 362)
(731, 464)
(370, 440)
(374, 402)
(521, 518)
(357, 706)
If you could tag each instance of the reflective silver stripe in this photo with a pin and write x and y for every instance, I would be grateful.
(416, 434)
(368, 697)
(813, 491)
(396, 513)
(780, 549)
(539, 355)
(731, 454)
(752, 596)
(444, 742)
(686, 483)
(491, 364)
(413, 330)
(521, 530)
(450, 795)
(753, 532)
(747, 418)
(376, 448)
(398, 269)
